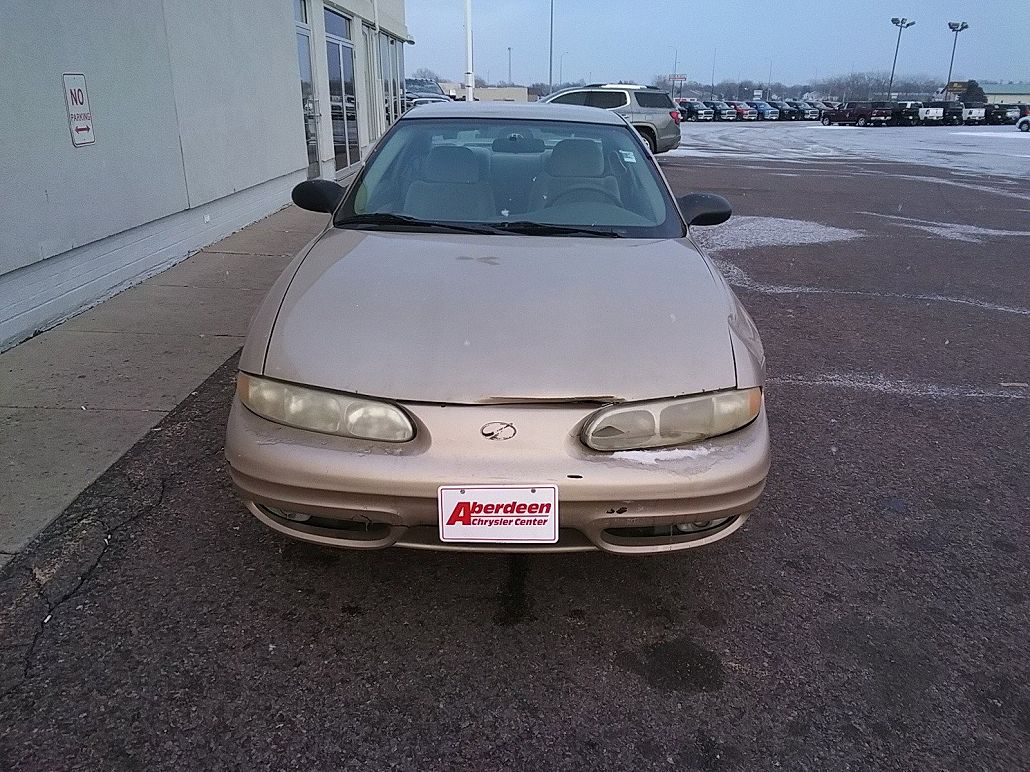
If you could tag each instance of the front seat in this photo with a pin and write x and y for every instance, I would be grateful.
(450, 188)
(573, 172)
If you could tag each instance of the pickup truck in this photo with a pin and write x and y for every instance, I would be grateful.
(745, 112)
(766, 112)
(999, 115)
(858, 113)
(974, 115)
(952, 112)
(928, 116)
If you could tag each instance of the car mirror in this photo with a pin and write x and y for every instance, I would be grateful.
(318, 195)
(704, 208)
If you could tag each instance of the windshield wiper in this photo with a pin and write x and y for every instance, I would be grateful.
(390, 220)
(548, 229)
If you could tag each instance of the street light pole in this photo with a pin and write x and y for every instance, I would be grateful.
(902, 25)
(713, 72)
(550, 55)
(956, 27)
(561, 68)
(470, 78)
(509, 64)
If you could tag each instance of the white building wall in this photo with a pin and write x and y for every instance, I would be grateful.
(237, 94)
(199, 131)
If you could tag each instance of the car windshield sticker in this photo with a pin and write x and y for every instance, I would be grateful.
(628, 156)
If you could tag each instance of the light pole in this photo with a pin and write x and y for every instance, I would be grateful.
(956, 27)
(713, 72)
(561, 67)
(550, 55)
(509, 64)
(902, 25)
(675, 65)
(470, 78)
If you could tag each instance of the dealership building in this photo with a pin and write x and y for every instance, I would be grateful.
(138, 131)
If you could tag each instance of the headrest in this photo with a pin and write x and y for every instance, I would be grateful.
(576, 158)
(516, 143)
(449, 163)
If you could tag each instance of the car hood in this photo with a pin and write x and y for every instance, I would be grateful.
(482, 319)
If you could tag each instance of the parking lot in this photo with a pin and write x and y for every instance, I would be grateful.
(873, 613)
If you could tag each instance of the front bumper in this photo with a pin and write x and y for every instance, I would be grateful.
(375, 495)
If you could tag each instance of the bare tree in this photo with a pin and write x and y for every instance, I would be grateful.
(426, 74)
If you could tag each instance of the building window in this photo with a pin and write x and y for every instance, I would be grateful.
(300, 11)
(337, 24)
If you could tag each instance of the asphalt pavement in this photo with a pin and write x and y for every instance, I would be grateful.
(872, 614)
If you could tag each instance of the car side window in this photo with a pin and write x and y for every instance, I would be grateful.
(572, 98)
(606, 99)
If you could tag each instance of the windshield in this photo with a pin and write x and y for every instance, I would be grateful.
(505, 176)
(423, 85)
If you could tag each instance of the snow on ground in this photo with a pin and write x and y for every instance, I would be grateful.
(744, 232)
(948, 230)
(971, 149)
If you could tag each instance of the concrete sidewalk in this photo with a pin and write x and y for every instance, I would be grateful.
(75, 398)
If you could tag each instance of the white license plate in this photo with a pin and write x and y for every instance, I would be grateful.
(504, 514)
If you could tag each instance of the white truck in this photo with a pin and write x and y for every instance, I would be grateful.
(974, 115)
(932, 116)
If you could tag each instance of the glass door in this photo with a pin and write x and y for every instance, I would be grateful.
(307, 86)
(342, 92)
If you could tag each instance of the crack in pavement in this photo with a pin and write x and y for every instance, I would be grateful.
(53, 606)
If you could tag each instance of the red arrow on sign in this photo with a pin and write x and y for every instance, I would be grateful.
(81, 128)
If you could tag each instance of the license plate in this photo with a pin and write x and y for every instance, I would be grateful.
(503, 514)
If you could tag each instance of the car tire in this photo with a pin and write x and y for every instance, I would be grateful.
(1024, 126)
(649, 139)
(862, 121)
(826, 121)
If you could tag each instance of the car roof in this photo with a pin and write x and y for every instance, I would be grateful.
(532, 111)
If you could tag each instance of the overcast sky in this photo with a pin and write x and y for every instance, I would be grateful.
(634, 39)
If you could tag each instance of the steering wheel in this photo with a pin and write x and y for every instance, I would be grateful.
(600, 192)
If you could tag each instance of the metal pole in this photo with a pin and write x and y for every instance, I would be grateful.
(713, 72)
(952, 65)
(550, 55)
(509, 64)
(890, 86)
(675, 69)
(561, 68)
(470, 78)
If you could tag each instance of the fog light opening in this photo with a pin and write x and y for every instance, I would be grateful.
(701, 525)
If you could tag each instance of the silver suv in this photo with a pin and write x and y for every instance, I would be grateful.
(649, 110)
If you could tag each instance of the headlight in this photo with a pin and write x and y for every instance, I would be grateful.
(672, 421)
(323, 411)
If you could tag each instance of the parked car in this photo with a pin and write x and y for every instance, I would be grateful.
(414, 99)
(928, 116)
(786, 111)
(808, 113)
(722, 111)
(439, 418)
(766, 112)
(999, 115)
(903, 113)
(821, 105)
(1023, 124)
(650, 111)
(745, 112)
(974, 114)
(858, 113)
(952, 111)
(695, 111)
(424, 88)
